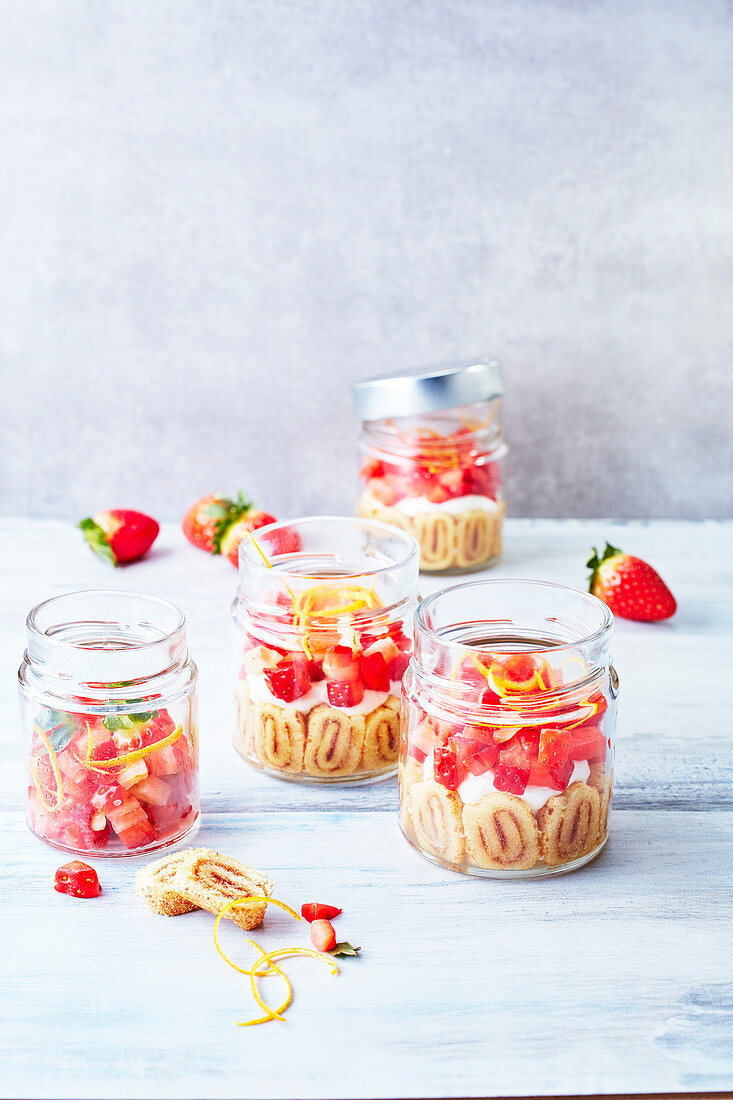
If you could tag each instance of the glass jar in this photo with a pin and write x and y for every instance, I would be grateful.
(109, 707)
(509, 704)
(432, 445)
(324, 634)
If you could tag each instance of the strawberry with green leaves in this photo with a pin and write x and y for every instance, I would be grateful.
(218, 524)
(630, 587)
(119, 534)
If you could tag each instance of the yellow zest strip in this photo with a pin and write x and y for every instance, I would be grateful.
(286, 952)
(129, 757)
(46, 805)
(254, 972)
(56, 771)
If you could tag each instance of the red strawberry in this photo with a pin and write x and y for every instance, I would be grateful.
(344, 693)
(314, 910)
(208, 520)
(120, 534)
(228, 545)
(323, 935)
(630, 587)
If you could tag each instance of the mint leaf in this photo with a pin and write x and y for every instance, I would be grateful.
(59, 727)
(344, 948)
(116, 722)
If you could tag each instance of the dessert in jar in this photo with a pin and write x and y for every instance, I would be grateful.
(109, 707)
(323, 618)
(506, 755)
(432, 445)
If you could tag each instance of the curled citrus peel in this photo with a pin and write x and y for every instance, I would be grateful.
(128, 757)
(266, 958)
(56, 772)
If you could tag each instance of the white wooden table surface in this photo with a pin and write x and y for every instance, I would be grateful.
(615, 979)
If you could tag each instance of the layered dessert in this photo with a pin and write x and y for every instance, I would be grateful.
(112, 783)
(529, 787)
(318, 690)
(444, 488)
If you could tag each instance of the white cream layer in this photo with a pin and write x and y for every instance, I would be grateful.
(474, 787)
(415, 506)
(259, 689)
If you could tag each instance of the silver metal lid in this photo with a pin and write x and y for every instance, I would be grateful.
(427, 389)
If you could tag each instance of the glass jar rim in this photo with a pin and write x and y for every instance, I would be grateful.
(253, 559)
(527, 584)
(34, 630)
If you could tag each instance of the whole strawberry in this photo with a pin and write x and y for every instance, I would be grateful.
(228, 543)
(630, 587)
(207, 521)
(119, 534)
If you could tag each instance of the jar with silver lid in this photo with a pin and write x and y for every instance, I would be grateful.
(432, 448)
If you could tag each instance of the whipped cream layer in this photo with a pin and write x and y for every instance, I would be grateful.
(259, 689)
(474, 787)
(415, 506)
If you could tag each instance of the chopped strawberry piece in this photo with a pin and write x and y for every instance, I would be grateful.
(374, 671)
(476, 756)
(398, 666)
(289, 679)
(314, 910)
(423, 737)
(587, 743)
(554, 746)
(78, 879)
(512, 780)
(344, 693)
(448, 768)
(323, 935)
(385, 645)
(339, 663)
(555, 776)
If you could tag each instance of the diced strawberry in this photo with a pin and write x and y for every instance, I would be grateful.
(323, 935)
(398, 666)
(340, 663)
(448, 769)
(386, 490)
(162, 761)
(258, 659)
(78, 879)
(438, 494)
(372, 467)
(554, 747)
(289, 679)
(555, 776)
(315, 671)
(452, 482)
(344, 693)
(511, 779)
(131, 774)
(417, 753)
(314, 910)
(386, 646)
(374, 671)
(401, 640)
(587, 743)
(423, 737)
(131, 824)
(153, 790)
(476, 756)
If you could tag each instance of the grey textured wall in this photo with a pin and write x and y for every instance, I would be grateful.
(216, 214)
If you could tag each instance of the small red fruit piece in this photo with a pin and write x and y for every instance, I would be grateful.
(228, 544)
(629, 586)
(119, 534)
(447, 768)
(209, 518)
(512, 780)
(289, 679)
(374, 671)
(78, 879)
(344, 693)
(554, 776)
(587, 743)
(339, 663)
(314, 910)
(554, 746)
(323, 935)
(284, 541)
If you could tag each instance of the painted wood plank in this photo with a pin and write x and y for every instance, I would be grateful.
(614, 979)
